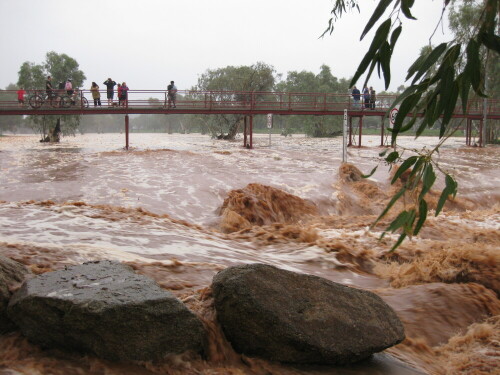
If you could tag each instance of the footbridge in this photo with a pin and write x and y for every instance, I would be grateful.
(243, 103)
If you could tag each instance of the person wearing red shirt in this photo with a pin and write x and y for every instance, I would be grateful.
(20, 96)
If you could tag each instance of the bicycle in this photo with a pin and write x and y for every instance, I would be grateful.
(76, 100)
(38, 99)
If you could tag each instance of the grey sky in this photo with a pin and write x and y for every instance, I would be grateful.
(147, 43)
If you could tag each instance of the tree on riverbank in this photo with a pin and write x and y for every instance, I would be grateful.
(231, 81)
(33, 76)
(323, 82)
(440, 79)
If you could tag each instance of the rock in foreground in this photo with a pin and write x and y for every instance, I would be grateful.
(106, 309)
(288, 317)
(11, 274)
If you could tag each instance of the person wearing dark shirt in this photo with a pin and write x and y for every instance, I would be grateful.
(110, 90)
(48, 88)
(172, 94)
(124, 94)
(372, 98)
(366, 96)
(356, 95)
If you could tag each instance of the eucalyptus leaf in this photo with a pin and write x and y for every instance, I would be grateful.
(377, 13)
(404, 166)
(422, 216)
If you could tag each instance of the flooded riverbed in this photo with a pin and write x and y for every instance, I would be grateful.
(158, 206)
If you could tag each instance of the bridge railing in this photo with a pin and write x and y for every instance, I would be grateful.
(238, 100)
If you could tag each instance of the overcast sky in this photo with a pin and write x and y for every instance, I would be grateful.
(147, 43)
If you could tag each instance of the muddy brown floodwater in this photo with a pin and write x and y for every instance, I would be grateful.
(180, 208)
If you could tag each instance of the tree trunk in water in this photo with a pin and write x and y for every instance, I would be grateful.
(233, 130)
(54, 134)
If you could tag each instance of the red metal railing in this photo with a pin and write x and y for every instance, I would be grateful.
(188, 101)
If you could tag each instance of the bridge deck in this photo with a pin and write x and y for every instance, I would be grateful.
(227, 102)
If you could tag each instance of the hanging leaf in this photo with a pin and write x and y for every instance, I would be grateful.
(408, 126)
(405, 7)
(392, 157)
(428, 179)
(406, 164)
(399, 241)
(416, 66)
(490, 41)
(379, 38)
(422, 216)
(385, 62)
(389, 205)
(473, 67)
(450, 102)
(383, 152)
(450, 57)
(464, 88)
(406, 106)
(450, 189)
(430, 60)
(377, 13)
(398, 222)
(395, 36)
(416, 167)
(370, 174)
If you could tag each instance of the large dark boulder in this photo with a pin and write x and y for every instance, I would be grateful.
(12, 274)
(289, 317)
(106, 309)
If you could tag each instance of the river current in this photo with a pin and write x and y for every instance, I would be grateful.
(159, 207)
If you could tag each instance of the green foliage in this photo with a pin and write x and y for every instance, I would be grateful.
(417, 176)
(442, 78)
(33, 76)
(323, 82)
(227, 83)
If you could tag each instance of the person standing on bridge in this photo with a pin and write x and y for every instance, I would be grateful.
(372, 98)
(172, 94)
(356, 95)
(20, 96)
(96, 95)
(69, 90)
(366, 96)
(124, 94)
(110, 90)
(48, 88)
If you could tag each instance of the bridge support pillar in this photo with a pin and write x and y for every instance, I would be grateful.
(360, 130)
(481, 138)
(468, 132)
(248, 132)
(126, 132)
(245, 131)
(382, 131)
(350, 132)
